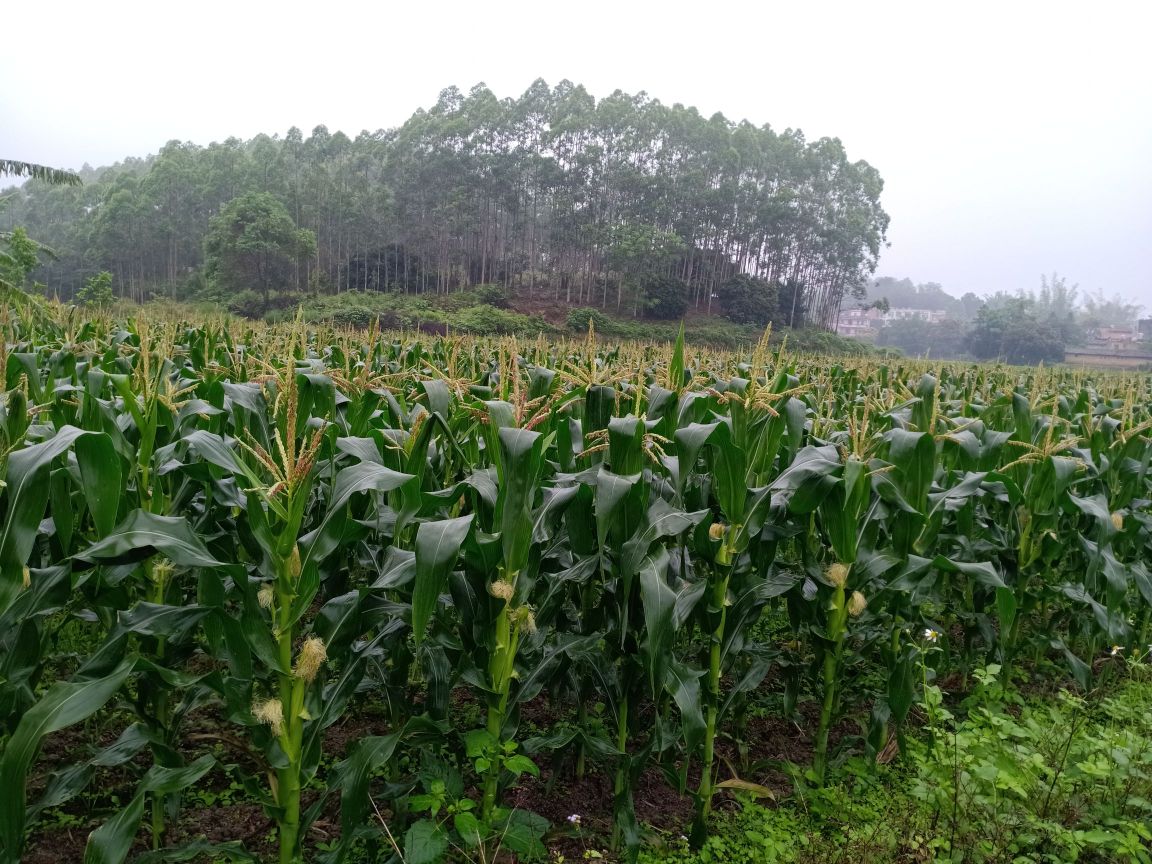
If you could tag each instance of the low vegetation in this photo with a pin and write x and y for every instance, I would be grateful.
(1062, 778)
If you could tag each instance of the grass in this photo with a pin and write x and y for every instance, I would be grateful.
(1047, 780)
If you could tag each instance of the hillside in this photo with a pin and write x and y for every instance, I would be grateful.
(623, 202)
(488, 312)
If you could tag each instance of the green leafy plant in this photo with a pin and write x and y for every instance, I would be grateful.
(97, 290)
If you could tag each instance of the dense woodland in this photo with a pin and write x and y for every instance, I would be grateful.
(553, 195)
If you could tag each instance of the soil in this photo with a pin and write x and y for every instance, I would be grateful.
(61, 835)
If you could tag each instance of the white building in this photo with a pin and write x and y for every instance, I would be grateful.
(932, 316)
(858, 323)
(865, 323)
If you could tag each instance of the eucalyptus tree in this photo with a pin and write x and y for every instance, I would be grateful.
(253, 244)
(43, 173)
(533, 193)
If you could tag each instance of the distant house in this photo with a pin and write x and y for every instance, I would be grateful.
(858, 323)
(1117, 335)
(932, 316)
(867, 322)
(1144, 328)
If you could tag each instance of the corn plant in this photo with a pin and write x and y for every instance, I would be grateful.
(277, 525)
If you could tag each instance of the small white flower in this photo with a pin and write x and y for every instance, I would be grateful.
(931, 635)
(1117, 650)
(574, 819)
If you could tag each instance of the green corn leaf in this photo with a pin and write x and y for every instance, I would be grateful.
(676, 363)
(143, 534)
(60, 504)
(663, 520)
(215, 450)
(659, 602)
(101, 475)
(982, 571)
(683, 684)
(26, 497)
(811, 476)
(352, 777)
(914, 455)
(729, 467)
(363, 477)
(112, 841)
(64, 704)
(437, 549)
(611, 490)
(521, 460)
(844, 508)
(438, 395)
(62, 787)
(163, 781)
(1006, 608)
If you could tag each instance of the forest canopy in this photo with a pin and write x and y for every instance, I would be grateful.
(554, 195)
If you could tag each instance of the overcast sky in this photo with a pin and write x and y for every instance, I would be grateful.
(1014, 138)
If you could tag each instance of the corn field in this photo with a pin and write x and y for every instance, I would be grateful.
(261, 532)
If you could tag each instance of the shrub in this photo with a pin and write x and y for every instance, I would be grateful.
(810, 340)
(665, 297)
(452, 302)
(97, 290)
(489, 321)
(492, 295)
(393, 311)
(746, 300)
(578, 318)
(1011, 778)
(249, 303)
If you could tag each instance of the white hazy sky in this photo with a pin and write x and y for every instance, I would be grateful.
(1015, 138)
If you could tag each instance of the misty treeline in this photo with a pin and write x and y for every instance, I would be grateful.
(1026, 326)
(554, 195)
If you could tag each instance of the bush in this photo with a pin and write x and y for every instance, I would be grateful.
(1070, 776)
(481, 295)
(813, 341)
(489, 321)
(712, 332)
(1062, 779)
(189, 288)
(97, 290)
(248, 303)
(746, 300)
(351, 309)
(577, 320)
(665, 297)
(492, 295)
(451, 302)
